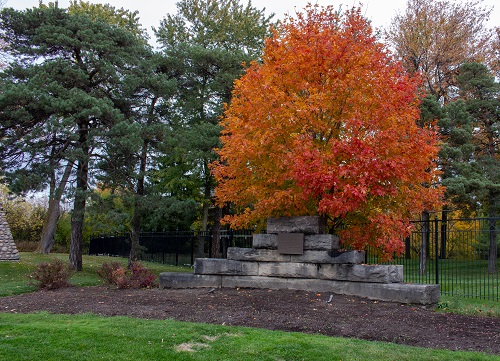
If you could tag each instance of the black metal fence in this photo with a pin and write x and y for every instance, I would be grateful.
(451, 252)
(179, 247)
(454, 253)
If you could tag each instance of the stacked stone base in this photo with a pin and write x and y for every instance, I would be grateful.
(399, 292)
(318, 267)
(8, 249)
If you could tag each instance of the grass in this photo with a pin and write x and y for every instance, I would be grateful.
(14, 275)
(43, 336)
(469, 306)
(88, 337)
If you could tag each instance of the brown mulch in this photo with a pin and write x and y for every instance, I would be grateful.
(286, 310)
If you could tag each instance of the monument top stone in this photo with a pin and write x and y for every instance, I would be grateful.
(305, 224)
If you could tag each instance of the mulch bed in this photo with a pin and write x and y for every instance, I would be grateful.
(286, 310)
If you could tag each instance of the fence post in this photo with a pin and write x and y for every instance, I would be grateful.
(436, 245)
(210, 244)
(176, 248)
(424, 249)
(407, 248)
(192, 248)
(444, 229)
(493, 249)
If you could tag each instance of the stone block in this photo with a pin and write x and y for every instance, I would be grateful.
(288, 270)
(272, 283)
(215, 266)
(361, 273)
(188, 280)
(321, 242)
(395, 292)
(306, 224)
(259, 255)
(268, 255)
(347, 257)
(265, 241)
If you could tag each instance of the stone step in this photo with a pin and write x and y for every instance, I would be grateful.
(309, 256)
(392, 292)
(316, 242)
(340, 272)
(188, 280)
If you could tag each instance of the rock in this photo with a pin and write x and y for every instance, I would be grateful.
(314, 242)
(306, 224)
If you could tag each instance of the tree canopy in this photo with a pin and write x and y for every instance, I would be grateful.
(209, 41)
(470, 152)
(435, 37)
(326, 124)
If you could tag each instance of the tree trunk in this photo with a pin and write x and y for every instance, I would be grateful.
(136, 219)
(54, 211)
(200, 247)
(49, 226)
(78, 216)
(134, 236)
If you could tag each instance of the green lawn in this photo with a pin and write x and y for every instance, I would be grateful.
(14, 275)
(43, 336)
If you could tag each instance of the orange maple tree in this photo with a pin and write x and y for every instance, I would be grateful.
(326, 124)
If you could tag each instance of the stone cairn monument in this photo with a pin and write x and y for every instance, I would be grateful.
(295, 255)
(8, 250)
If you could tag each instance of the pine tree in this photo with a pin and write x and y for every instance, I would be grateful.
(62, 96)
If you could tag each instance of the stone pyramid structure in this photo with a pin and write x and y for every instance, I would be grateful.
(8, 249)
(295, 254)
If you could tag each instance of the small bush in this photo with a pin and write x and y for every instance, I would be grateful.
(142, 277)
(113, 273)
(107, 272)
(50, 275)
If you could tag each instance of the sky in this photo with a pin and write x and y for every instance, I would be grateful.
(151, 12)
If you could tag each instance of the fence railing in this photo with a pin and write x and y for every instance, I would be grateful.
(454, 253)
(451, 252)
(178, 247)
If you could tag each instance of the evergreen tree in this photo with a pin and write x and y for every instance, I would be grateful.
(470, 154)
(62, 97)
(209, 40)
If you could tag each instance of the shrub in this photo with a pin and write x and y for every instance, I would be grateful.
(107, 272)
(50, 275)
(141, 277)
(113, 273)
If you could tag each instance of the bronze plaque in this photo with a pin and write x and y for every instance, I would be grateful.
(291, 243)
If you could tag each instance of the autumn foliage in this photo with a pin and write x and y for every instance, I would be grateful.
(326, 124)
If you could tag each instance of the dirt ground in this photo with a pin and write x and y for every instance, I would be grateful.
(286, 310)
